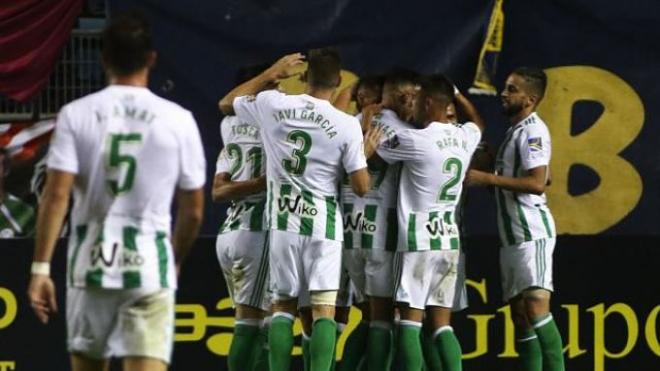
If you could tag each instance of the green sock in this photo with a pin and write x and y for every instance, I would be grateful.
(431, 355)
(410, 346)
(305, 352)
(260, 351)
(280, 341)
(551, 345)
(379, 346)
(355, 347)
(449, 349)
(242, 344)
(324, 336)
(340, 329)
(529, 349)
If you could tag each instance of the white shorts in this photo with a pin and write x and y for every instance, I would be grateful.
(526, 265)
(105, 323)
(346, 290)
(243, 257)
(371, 271)
(300, 264)
(460, 297)
(426, 278)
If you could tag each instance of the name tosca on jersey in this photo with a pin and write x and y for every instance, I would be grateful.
(523, 217)
(435, 160)
(309, 144)
(130, 150)
(370, 221)
(243, 158)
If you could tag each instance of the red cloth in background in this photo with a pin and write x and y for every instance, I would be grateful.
(32, 34)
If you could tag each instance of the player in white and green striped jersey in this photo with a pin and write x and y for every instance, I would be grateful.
(435, 160)
(526, 225)
(123, 151)
(309, 144)
(370, 234)
(241, 244)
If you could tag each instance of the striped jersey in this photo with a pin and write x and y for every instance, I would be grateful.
(370, 221)
(309, 144)
(17, 217)
(129, 150)
(243, 158)
(434, 163)
(523, 216)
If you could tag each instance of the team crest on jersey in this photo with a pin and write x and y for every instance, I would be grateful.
(309, 106)
(535, 144)
(251, 98)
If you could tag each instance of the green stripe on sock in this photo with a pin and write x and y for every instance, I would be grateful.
(331, 217)
(81, 233)
(161, 248)
(280, 343)
(322, 343)
(412, 232)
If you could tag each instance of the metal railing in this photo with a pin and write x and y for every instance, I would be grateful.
(78, 72)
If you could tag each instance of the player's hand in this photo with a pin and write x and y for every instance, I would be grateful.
(368, 114)
(285, 67)
(372, 140)
(41, 294)
(477, 178)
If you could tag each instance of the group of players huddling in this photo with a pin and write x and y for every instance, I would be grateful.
(326, 209)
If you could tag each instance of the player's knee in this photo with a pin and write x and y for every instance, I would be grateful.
(326, 297)
(382, 309)
(537, 303)
(248, 312)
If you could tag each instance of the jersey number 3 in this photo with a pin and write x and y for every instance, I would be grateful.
(119, 159)
(298, 162)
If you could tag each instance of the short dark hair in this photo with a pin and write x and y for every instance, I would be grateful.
(399, 77)
(535, 79)
(126, 43)
(371, 82)
(323, 68)
(438, 87)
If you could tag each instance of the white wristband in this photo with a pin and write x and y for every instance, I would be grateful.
(42, 268)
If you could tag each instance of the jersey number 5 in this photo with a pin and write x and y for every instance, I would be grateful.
(454, 167)
(118, 160)
(298, 162)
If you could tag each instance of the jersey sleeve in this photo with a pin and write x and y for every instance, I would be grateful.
(62, 154)
(253, 108)
(400, 147)
(223, 163)
(534, 145)
(353, 158)
(472, 135)
(192, 161)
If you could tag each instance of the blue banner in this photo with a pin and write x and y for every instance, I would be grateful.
(601, 58)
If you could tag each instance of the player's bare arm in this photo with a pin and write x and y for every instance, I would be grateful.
(469, 111)
(534, 182)
(190, 210)
(52, 210)
(224, 189)
(285, 67)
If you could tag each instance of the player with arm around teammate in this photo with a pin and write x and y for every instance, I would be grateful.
(429, 238)
(309, 144)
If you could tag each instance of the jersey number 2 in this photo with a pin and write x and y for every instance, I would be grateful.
(454, 167)
(117, 160)
(298, 162)
(254, 154)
